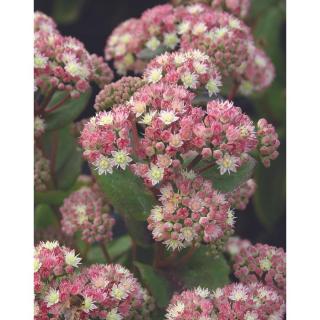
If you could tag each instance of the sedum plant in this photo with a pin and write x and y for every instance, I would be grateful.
(169, 160)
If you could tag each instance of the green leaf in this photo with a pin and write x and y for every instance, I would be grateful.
(205, 271)
(155, 283)
(127, 193)
(270, 197)
(95, 255)
(68, 156)
(44, 216)
(68, 112)
(52, 197)
(229, 182)
(67, 12)
(119, 246)
(148, 54)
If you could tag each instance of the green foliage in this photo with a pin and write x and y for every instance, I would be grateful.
(44, 216)
(68, 112)
(228, 182)
(155, 283)
(148, 54)
(61, 147)
(205, 271)
(67, 12)
(51, 197)
(269, 198)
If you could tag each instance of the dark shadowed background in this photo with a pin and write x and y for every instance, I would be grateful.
(92, 21)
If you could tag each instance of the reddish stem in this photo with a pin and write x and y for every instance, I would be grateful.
(105, 252)
(48, 98)
(53, 155)
(201, 170)
(233, 91)
(186, 257)
(135, 136)
(59, 104)
(194, 162)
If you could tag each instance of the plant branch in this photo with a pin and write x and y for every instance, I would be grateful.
(135, 136)
(105, 252)
(194, 162)
(233, 91)
(210, 165)
(48, 98)
(59, 104)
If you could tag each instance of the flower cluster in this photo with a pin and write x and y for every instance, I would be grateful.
(51, 261)
(42, 175)
(99, 291)
(234, 245)
(238, 8)
(164, 28)
(63, 63)
(230, 135)
(239, 198)
(39, 127)
(113, 292)
(191, 212)
(101, 72)
(268, 142)
(191, 69)
(264, 263)
(117, 92)
(106, 140)
(259, 72)
(234, 301)
(86, 210)
(44, 23)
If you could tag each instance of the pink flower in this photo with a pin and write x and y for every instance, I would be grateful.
(87, 211)
(101, 72)
(264, 263)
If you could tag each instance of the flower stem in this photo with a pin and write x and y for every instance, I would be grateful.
(105, 252)
(210, 165)
(233, 91)
(135, 136)
(194, 162)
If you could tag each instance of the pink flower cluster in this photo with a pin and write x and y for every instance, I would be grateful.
(259, 72)
(234, 245)
(264, 263)
(42, 175)
(106, 140)
(234, 301)
(99, 291)
(221, 36)
(117, 92)
(238, 8)
(63, 63)
(86, 210)
(268, 142)
(191, 69)
(101, 72)
(191, 212)
(240, 197)
(44, 23)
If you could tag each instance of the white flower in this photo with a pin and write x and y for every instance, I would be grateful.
(118, 292)
(193, 9)
(199, 55)
(218, 293)
(138, 107)
(265, 264)
(36, 264)
(104, 165)
(188, 174)
(220, 32)
(154, 75)
(125, 38)
(81, 211)
(200, 67)
(183, 27)
(147, 118)
(155, 174)
(175, 310)
(170, 40)
(251, 315)
(260, 61)
(189, 80)
(39, 124)
(75, 69)
(234, 23)
(246, 87)
(230, 218)
(40, 61)
(50, 245)
(105, 118)
(153, 43)
(202, 292)
(71, 259)
(168, 117)
(179, 59)
(156, 214)
(227, 164)
(114, 315)
(174, 244)
(88, 305)
(199, 28)
(213, 86)
(239, 293)
(52, 297)
(187, 234)
(121, 159)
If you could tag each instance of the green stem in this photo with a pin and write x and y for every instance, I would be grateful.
(105, 252)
